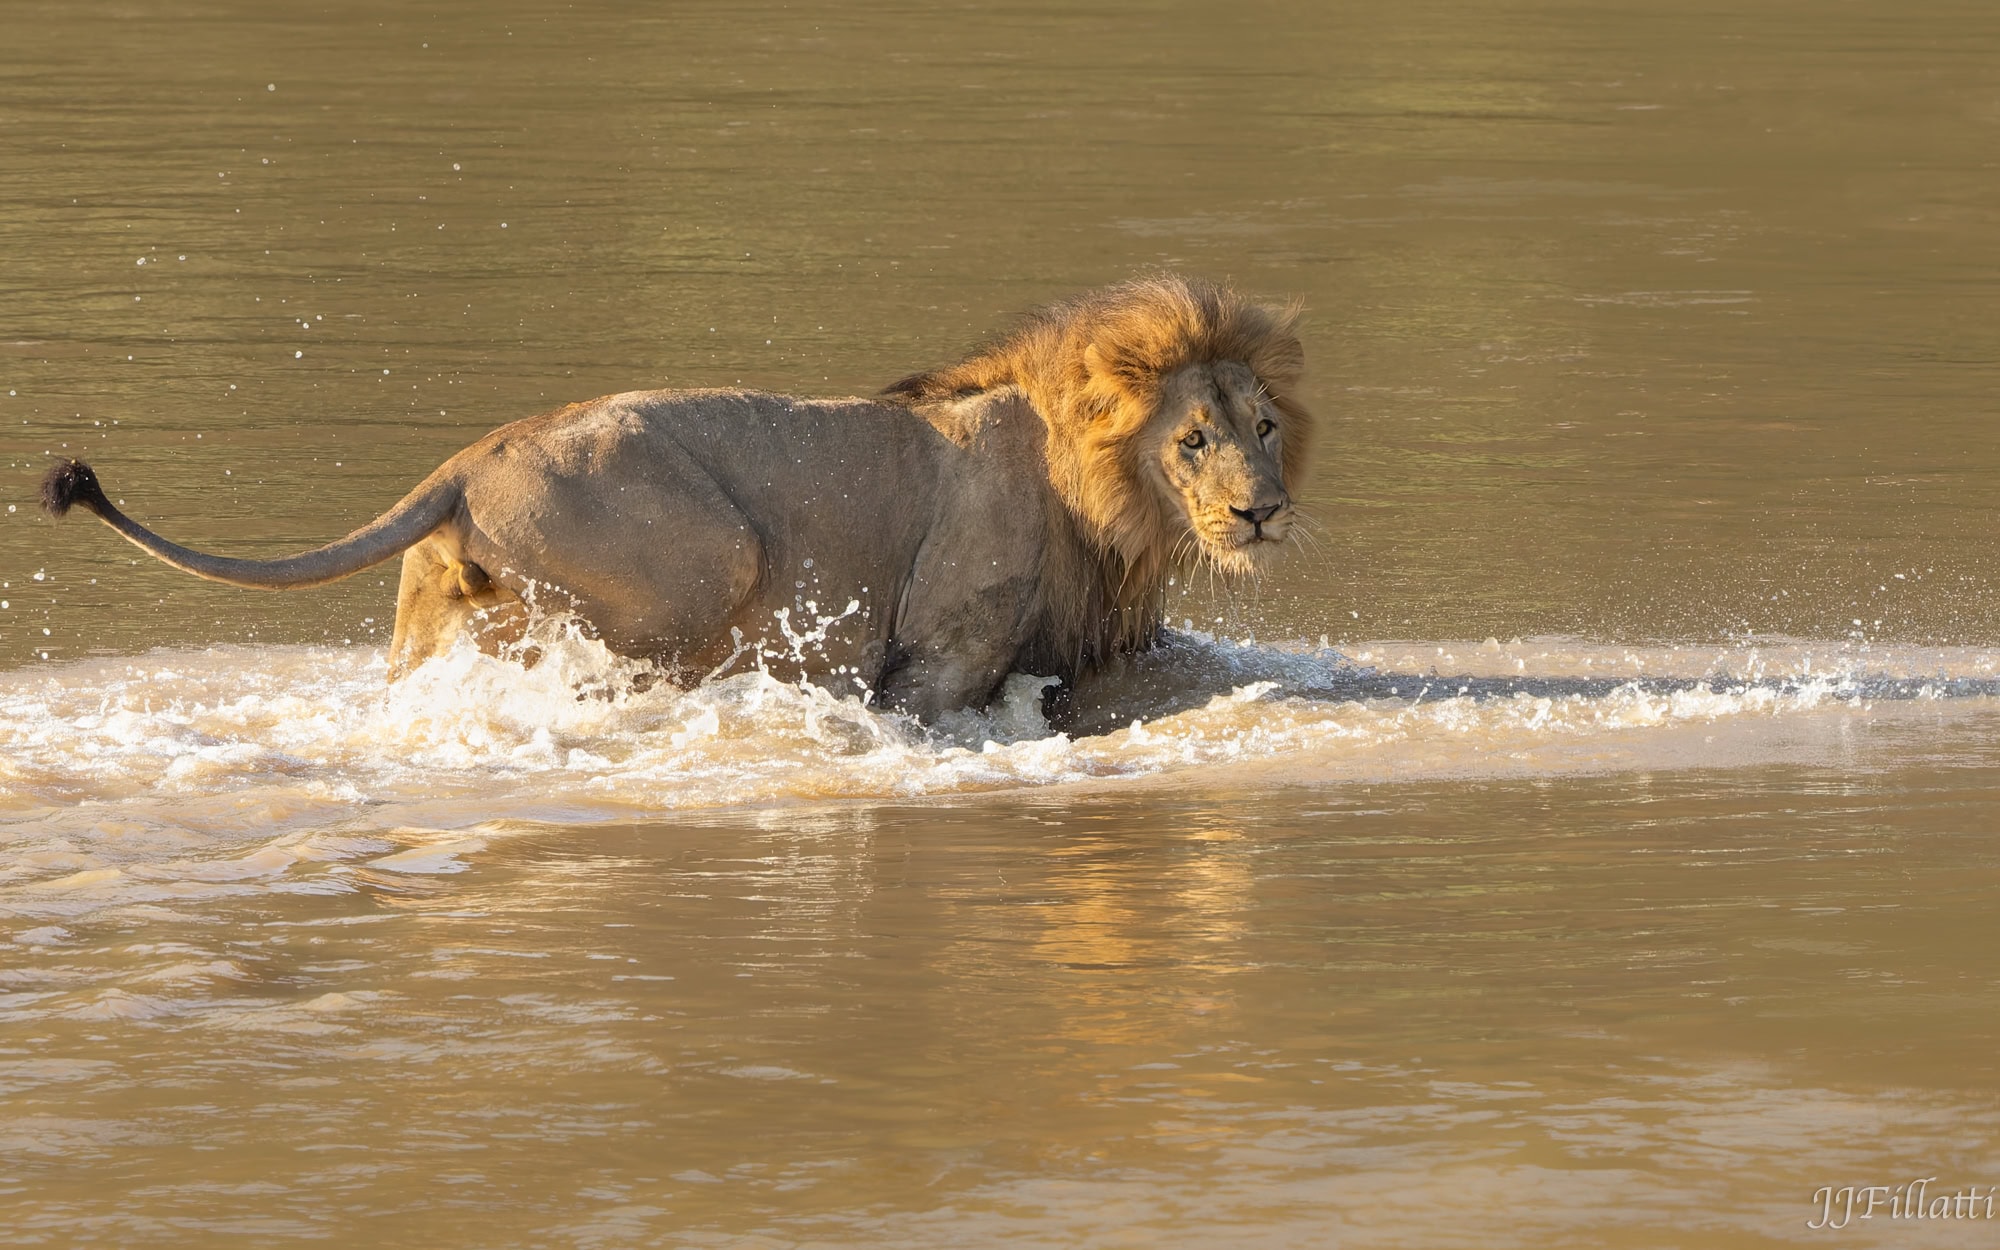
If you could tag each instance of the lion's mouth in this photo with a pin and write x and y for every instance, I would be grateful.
(1240, 543)
(1269, 530)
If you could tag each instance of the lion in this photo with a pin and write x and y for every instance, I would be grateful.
(1019, 511)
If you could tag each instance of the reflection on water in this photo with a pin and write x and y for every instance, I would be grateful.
(1431, 1014)
(292, 952)
(1656, 348)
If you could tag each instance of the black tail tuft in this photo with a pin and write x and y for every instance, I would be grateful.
(71, 483)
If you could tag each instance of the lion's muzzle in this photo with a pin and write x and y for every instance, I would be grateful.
(1258, 516)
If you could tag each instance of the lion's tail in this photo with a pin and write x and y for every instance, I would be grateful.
(72, 484)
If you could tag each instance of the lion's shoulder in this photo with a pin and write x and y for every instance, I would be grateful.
(974, 419)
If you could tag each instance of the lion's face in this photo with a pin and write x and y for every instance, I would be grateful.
(1218, 442)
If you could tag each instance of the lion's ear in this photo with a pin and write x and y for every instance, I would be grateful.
(1114, 370)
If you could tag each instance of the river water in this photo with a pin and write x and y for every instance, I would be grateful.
(1589, 842)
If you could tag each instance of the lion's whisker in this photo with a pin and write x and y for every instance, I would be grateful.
(1064, 496)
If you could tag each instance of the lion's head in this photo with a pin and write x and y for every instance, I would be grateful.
(1202, 459)
(1174, 430)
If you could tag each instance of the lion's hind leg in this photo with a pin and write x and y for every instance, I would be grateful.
(442, 596)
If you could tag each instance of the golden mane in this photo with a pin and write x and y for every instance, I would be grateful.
(1094, 368)
(1032, 527)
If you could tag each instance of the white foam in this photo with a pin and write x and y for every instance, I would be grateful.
(164, 779)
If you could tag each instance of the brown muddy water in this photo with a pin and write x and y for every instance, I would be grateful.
(1640, 889)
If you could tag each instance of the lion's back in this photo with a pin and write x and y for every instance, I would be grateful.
(845, 483)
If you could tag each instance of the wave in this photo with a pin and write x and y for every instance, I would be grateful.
(166, 777)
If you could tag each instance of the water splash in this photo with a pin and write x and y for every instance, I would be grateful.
(153, 778)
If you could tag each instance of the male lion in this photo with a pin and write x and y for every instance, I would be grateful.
(1018, 511)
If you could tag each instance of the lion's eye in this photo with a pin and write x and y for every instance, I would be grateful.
(1194, 441)
(1265, 427)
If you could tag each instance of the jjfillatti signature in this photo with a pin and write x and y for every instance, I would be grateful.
(1841, 1205)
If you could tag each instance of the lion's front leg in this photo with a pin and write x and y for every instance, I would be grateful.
(927, 684)
(955, 641)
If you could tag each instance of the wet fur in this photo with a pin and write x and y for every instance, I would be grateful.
(1006, 513)
(1095, 367)
(72, 484)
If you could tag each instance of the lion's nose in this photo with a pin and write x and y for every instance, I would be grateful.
(1257, 516)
